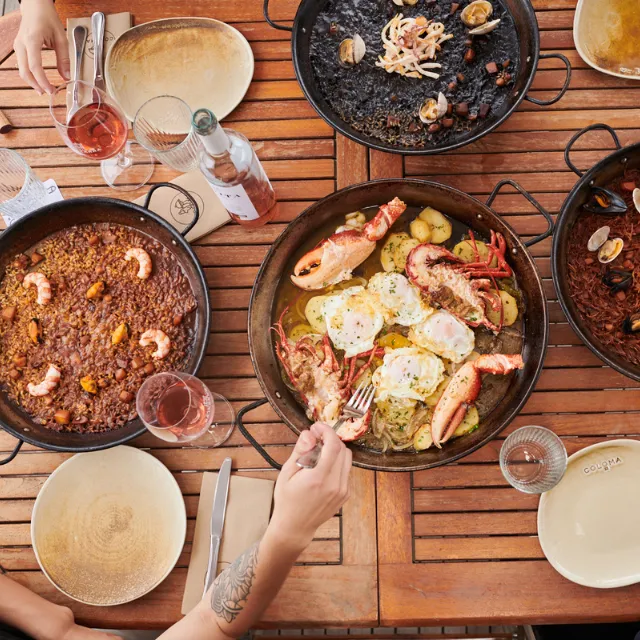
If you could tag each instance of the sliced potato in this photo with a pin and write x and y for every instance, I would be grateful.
(387, 254)
(440, 226)
(464, 250)
(470, 422)
(299, 331)
(394, 341)
(509, 310)
(422, 437)
(365, 376)
(402, 251)
(432, 400)
(420, 230)
(313, 314)
(397, 411)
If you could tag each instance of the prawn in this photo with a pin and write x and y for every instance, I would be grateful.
(144, 260)
(50, 382)
(40, 281)
(160, 338)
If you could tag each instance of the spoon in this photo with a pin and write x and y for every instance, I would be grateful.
(79, 42)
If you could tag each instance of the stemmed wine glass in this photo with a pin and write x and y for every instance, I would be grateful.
(93, 125)
(178, 407)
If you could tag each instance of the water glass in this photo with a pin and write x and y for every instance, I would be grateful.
(178, 407)
(533, 459)
(20, 190)
(163, 126)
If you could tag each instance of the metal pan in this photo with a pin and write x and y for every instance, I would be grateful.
(529, 39)
(601, 174)
(473, 213)
(61, 215)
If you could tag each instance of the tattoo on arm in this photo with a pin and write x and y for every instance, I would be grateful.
(231, 588)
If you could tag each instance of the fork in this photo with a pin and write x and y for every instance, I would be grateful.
(357, 407)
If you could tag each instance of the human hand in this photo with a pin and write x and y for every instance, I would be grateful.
(306, 498)
(40, 26)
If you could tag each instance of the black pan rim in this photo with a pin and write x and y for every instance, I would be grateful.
(631, 371)
(343, 128)
(133, 208)
(528, 387)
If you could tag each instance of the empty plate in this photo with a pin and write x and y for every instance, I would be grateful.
(205, 62)
(109, 526)
(588, 524)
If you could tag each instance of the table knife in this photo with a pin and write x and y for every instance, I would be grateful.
(97, 27)
(217, 520)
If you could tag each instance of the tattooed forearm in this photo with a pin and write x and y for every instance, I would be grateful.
(231, 588)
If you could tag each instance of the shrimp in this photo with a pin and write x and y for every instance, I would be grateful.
(50, 382)
(40, 281)
(160, 338)
(144, 260)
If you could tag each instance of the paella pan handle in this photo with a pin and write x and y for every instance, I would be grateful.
(275, 25)
(565, 86)
(13, 454)
(533, 201)
(243, 430)
(574, 139)
(186, 194)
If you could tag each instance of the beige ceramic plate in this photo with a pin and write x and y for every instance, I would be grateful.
(605, 33)
(588, 525)
(109, 526)
(205, 62)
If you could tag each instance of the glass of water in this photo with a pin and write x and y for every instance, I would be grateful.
(20, 190)
(163, 126)
(533, 459)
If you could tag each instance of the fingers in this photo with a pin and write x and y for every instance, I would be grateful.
(306, 441)
(23, 66)
(34, 55)
(62, 54)
(332, 447)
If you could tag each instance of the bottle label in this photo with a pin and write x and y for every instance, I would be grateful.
(235, 200)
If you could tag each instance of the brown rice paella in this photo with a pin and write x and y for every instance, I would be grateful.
(85, 316)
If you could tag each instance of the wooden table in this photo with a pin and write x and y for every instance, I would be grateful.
(453, 545)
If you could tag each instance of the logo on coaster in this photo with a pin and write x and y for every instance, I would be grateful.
(182, 210)
(603, 465)
(108, 37)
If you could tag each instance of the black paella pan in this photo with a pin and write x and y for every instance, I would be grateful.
(54, 217)
(347, 106)
(600, 175)
(460, 206)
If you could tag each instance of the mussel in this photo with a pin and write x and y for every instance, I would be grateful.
(485, 28)
(432, 109)
(476, 13)
(352, 50)
(610, 250)
(605, 202)
(632, 323)
(618, 280)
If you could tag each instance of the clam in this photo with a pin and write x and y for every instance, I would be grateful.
(352, 50)
(632, 323)
(605, 202)
(405, 3)
(617, 280)
(636, 199)
(485, 28)
(476, 13)
(610, 250)
(432, 109)
(599, 237)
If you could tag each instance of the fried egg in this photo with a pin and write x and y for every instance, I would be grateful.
(402, 300)
(354, 319)
(408, 373)
(445, 335)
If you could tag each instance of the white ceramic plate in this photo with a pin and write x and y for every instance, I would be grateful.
(108, 526)
(207, 63)
(589, 523)
(605, 35)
